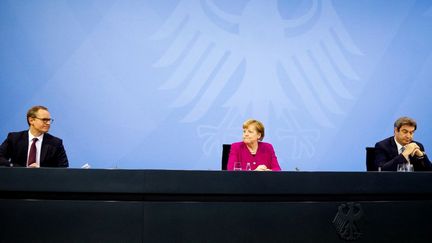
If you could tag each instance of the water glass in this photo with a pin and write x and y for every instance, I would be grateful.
(237, 166)
(405, 167)
(248, 166)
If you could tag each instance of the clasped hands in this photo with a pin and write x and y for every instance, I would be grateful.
(412, 149)
(262, 168)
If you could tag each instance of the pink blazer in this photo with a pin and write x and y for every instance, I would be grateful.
(265, 155)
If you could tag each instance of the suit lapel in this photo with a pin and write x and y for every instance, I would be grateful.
(394, 150)
(23, 147)
(44, 149)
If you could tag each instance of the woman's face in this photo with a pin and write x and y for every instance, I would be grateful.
(251, 135)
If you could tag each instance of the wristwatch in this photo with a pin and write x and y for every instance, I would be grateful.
(421, 157)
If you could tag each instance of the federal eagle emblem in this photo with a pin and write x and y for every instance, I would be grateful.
(258, 64)
(346, 221)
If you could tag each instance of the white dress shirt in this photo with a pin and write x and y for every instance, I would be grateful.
(38, 146)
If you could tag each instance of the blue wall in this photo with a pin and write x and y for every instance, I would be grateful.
(162, 84)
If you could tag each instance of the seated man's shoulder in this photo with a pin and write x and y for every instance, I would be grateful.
(17, 134)
(384, 141)
(50, 138)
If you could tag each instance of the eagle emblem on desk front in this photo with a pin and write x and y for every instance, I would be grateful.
(347, 219)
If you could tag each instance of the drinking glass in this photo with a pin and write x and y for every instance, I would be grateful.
(410, 167)
(237, 166)
(405, 167)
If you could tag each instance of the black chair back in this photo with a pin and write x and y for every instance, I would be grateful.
(370, 159)
(225, 154)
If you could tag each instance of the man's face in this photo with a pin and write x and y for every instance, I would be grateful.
(41, 123)
(405, 134)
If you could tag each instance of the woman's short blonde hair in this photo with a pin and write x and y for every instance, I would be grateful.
(258, 126)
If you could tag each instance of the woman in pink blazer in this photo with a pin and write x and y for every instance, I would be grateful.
(259, 155)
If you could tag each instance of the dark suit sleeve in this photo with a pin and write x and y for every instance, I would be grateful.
(5, 153)
(53, 153)
(426, 162)
(61, 157)
(385, 159)
(421, 164)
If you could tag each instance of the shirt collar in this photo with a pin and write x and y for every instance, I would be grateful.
(30, 135)
(399, 146)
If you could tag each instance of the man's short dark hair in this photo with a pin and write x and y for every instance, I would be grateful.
(405, 121)
(32, 112)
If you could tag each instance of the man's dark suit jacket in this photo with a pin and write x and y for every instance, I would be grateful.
(387, 156)
(15, 149)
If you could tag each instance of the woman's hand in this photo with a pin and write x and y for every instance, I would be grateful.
(262, 168)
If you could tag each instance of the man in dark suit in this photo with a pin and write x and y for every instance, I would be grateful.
(401, 149)
(34, 147)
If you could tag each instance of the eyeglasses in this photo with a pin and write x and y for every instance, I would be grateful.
(45, 120)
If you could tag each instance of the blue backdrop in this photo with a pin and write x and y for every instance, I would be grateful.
(163, 84)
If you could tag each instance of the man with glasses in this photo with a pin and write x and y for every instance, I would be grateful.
(34, 147)
(401, 148)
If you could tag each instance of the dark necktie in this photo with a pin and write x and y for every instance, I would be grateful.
(32, 154)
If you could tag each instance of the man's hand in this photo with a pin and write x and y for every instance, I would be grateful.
(418, 153)
(412, 149)
(34, 165)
